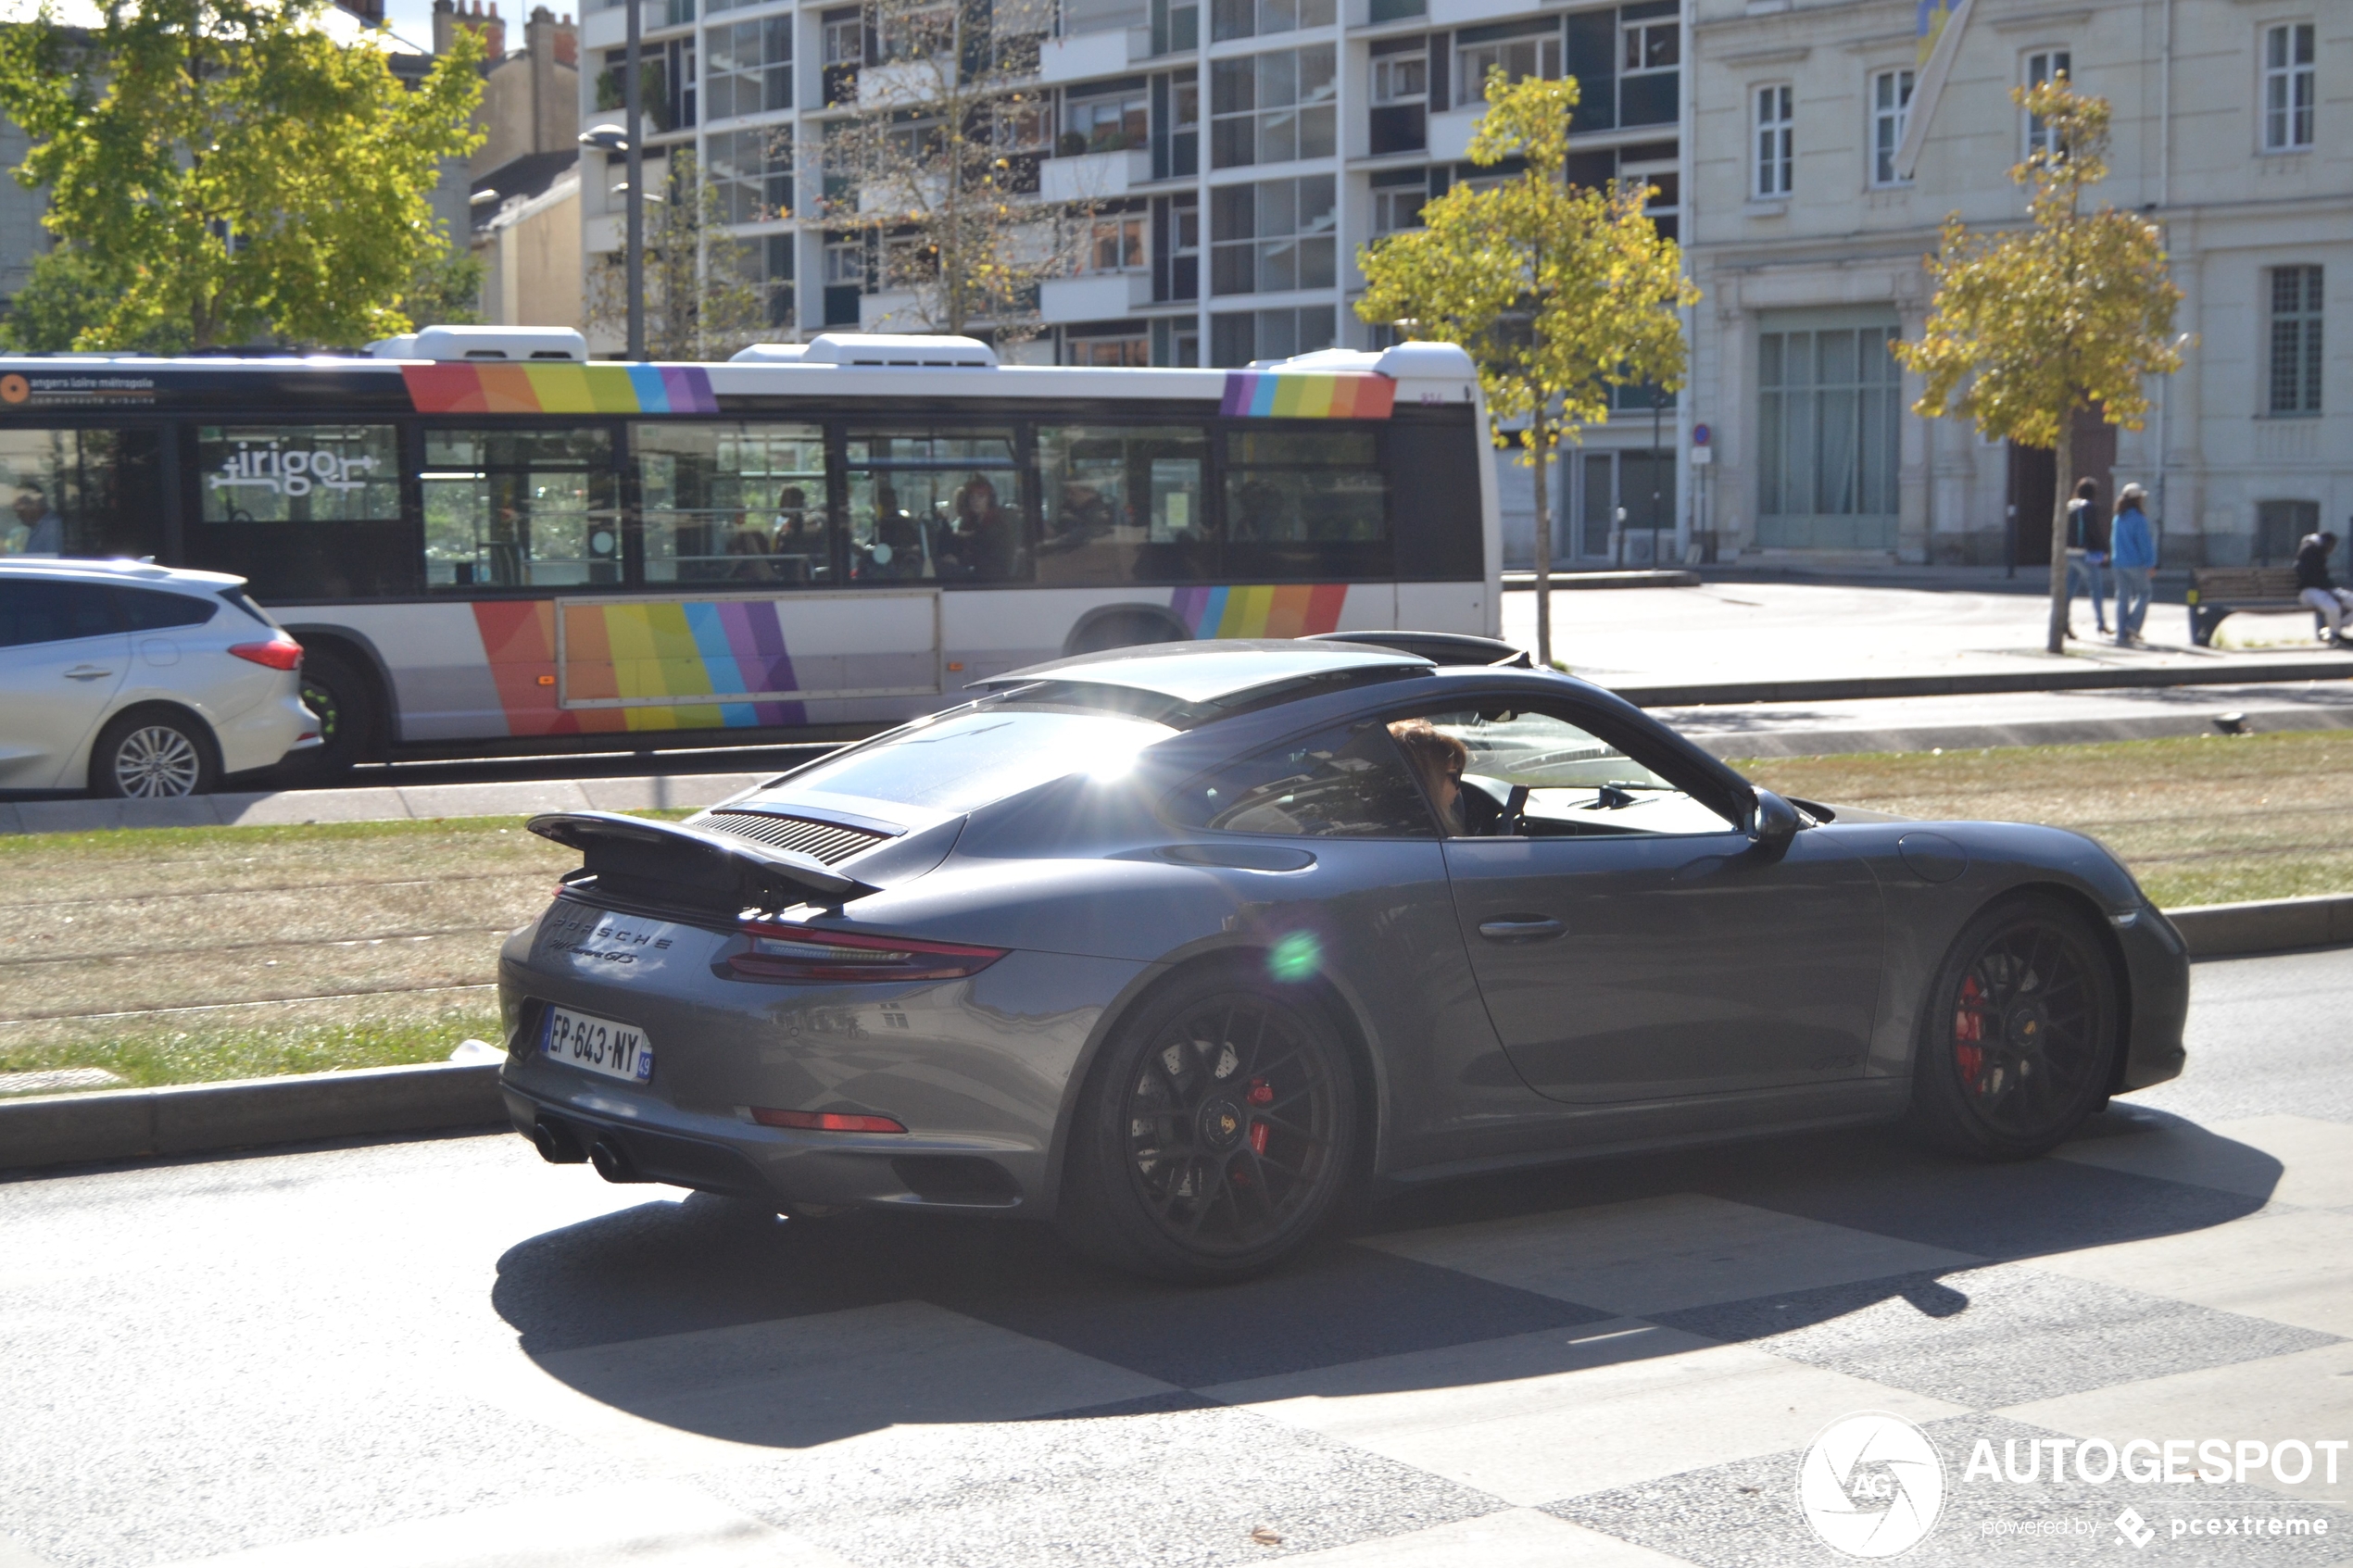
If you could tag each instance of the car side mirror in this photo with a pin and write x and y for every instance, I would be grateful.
(1772, 827)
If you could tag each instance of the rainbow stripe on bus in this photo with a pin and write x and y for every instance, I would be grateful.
(559, 389)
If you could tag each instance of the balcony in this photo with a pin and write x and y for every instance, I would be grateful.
(1450, 134)
(1096, 297)
(1086, 55)
(1094, 176)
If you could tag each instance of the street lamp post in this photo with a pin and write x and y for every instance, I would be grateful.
(609, 139)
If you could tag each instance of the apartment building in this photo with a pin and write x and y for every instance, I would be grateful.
(1242, 151)
(2231, 131)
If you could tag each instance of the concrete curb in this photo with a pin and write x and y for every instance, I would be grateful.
(1641, 577)
(412, 803)
(1719, 694)
(43, 1130)
(51, 1130)
(2272, 925)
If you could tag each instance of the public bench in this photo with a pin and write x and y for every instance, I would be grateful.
(2217, 591)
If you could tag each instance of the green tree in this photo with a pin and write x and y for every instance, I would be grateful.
(705, 294)
(2074, 311)
(219, 169)
(1557, 292)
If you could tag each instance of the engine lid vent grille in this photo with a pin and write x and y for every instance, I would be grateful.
(826, 842)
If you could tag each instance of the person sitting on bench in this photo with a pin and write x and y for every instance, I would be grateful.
(2317, 589)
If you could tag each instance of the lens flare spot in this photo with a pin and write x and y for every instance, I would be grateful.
(1296, 957)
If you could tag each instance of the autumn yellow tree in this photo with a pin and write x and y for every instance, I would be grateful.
(2073, 311)
(1557, 292)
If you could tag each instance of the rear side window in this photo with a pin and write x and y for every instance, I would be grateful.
(242, 600)
(145, 610)
(989, 753)
(34, 610)
(1348, 782)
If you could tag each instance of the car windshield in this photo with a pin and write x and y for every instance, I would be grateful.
(970, 758)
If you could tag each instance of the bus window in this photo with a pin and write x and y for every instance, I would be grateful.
(936, 506)
(1310, 505)
(519, 508)
(1124, 505)
(80, 492)
(303, 511)
(734, 503)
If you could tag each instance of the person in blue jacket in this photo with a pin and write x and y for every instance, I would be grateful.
(2131, 548)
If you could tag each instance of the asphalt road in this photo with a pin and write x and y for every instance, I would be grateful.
(442, 1351)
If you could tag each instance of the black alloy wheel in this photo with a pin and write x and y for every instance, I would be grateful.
(1219, 1132)
(2019, 1043)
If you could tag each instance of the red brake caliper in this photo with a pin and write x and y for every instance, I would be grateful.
(1968, 1032)
(1260, 1092)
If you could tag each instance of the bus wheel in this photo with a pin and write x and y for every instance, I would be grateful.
(339, 692)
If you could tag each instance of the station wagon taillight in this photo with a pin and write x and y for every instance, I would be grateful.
(806, 955)
(278, 653)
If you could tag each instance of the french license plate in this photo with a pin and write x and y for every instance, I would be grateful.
(596, 1045)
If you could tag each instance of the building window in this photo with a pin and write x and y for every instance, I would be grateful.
(1531, 54)
(1237, 337)
(752, 173)
(1248, 18)
(1776, 133)
(1396, 204)
(1109, 124)
(1115, 242)
(1891, 108)
(2296, 340)
(749, 67)
(2043, 64)
(1666, 184)
(778, 278)
(1401, 96)
(2289, 85)
(843, 40)
(1273, 236)
(845, 280)
(1273, 107)
(1828, 403)
(1121, 351)
(1183, 116)
(1650, 47)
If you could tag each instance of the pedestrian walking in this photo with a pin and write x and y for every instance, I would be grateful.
(2087, 552)
(2133, 552)
(2317, 588)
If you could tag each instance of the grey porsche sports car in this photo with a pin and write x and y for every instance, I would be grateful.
(1181, 946)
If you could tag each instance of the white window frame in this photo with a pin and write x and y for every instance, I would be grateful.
(1127, 232)
(843, 42)
(2040, 65)
(1637, 34)
(1394, 84)
(1387, 200)
(1773, 141)
(1471, 77)
(2290, 87)
(1888, 121)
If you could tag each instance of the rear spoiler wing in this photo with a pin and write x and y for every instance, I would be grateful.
(703, 868)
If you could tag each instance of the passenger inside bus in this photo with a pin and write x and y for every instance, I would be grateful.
(801, 539)
(978, 542)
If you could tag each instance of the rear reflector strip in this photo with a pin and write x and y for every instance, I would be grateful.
(823, 1120)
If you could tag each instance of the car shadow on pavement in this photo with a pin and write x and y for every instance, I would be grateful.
(1857, 1252)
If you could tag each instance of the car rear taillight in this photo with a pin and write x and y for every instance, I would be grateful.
(823, 1120)
(804, 954)
(278, 653)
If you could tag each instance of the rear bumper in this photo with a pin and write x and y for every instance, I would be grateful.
(772, 1165)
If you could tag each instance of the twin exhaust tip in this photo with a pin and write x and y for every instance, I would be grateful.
(560, 1145)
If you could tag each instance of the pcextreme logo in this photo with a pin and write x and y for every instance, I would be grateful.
(1871, 1484)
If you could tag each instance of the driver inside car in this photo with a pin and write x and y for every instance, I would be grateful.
(1438, 760)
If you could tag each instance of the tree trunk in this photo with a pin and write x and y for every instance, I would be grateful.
(2063, 469)
(1539, 440)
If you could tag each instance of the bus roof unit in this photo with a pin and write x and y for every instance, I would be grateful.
(494, 344)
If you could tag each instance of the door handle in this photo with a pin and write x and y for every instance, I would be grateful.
(1525, 929)
(87, 673)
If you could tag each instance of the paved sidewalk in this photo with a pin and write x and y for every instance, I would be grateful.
(1778, 631)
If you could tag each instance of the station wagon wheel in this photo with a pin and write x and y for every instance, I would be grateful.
(152, 756)
(1220, 1132)
(2021, 1036)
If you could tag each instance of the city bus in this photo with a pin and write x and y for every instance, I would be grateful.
(485, 543)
